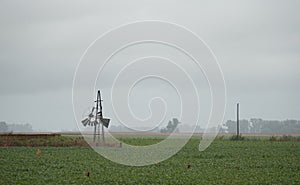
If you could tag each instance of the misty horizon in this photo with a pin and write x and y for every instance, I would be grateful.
(41, 44)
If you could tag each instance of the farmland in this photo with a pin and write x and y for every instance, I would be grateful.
(254, 161)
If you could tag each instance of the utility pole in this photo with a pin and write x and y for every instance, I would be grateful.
(237, 120)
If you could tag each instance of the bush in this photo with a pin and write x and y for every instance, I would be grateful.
(285, 138)
(237, 138)
(273, 138)
(220, 138)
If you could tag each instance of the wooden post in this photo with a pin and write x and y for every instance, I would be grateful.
(237, 120)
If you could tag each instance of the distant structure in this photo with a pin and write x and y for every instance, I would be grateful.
(95, 119)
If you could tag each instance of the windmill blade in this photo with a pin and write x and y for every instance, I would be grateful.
(93, 123)
(85, 121)
(91, 115)
(105, 122)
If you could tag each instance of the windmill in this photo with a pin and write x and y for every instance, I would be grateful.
(95, 119)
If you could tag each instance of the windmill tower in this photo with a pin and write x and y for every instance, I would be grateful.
(95, 119)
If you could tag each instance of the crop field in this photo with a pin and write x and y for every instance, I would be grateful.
(257, 161)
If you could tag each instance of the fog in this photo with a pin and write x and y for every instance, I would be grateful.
(256, 42)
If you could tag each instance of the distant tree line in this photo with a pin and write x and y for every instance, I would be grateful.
(171, 126)
(254, 125)
(257, 125)
(4, 127)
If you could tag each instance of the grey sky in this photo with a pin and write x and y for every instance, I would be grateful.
(256, 42)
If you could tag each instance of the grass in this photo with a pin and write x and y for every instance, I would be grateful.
(224, 162)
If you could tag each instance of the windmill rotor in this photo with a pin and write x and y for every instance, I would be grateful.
(89, 117)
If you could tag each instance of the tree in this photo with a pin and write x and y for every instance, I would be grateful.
(20, 127)
(3, 127)
(256, 124)
(244, 126)
(172, 126)
(231, 125)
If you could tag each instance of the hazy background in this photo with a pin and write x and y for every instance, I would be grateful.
(256, 42)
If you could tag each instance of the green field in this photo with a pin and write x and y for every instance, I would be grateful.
(224, 162)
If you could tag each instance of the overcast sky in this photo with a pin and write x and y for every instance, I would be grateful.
(257, 44)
